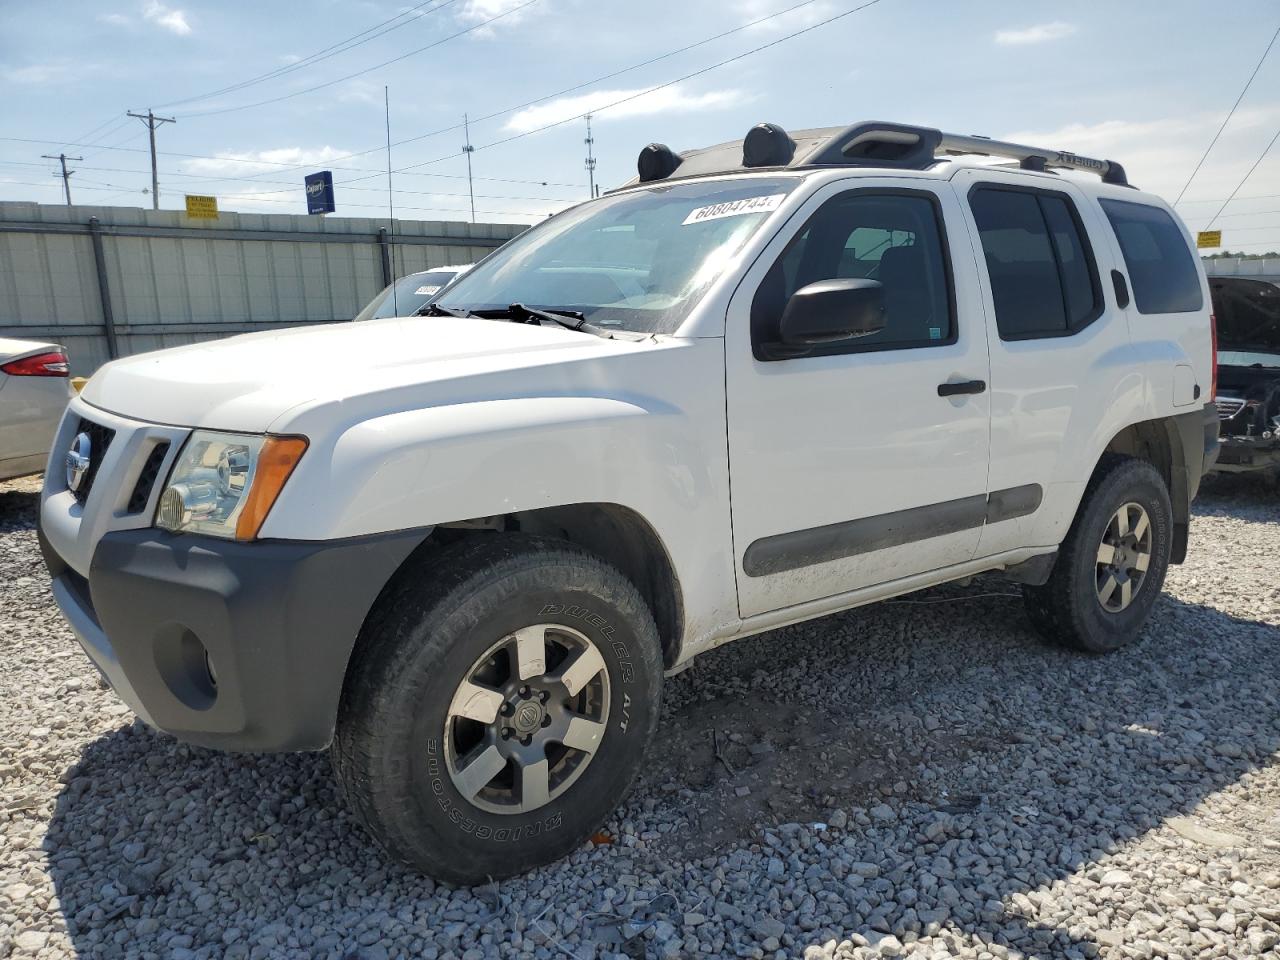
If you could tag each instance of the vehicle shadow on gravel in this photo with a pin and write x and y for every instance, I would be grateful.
(917, 765)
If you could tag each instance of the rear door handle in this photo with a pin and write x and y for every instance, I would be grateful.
(962, 387)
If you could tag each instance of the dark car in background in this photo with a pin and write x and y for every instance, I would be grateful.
(1248, 395)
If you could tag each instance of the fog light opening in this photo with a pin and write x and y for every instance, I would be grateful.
(186, 667)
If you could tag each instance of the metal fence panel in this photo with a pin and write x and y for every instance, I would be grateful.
(170, 280)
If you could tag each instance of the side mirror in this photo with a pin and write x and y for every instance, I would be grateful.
(829, 311)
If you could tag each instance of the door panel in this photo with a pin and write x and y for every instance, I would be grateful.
(848, 469)
(1054, 366)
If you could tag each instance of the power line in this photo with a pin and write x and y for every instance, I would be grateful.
(586, 83)
(1252, 196)
(1265, 150)
(342, 46)
(107, 188)
(292, 185)
(360, 73)
(661, 86)
(412, 171)
(115, 118)
(287, 164)
(1230, 114)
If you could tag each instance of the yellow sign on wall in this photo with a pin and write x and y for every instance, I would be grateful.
(202, 208)
(1209, 238)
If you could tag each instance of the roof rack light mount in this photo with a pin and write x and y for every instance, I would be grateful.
(867, 144)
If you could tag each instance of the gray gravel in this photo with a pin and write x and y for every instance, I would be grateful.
(918, 778)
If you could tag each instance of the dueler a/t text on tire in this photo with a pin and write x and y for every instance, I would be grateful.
(1112, 564)
(498, 706)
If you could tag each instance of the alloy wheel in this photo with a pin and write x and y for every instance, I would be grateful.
(1124, 557)
(527, 719)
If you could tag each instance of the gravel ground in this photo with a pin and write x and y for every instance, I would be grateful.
(920, 778)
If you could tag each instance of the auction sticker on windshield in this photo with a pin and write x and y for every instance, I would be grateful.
(735, 208)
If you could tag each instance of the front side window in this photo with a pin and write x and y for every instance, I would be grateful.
(1162, 270)
(1043, 279)
(896, 239)
(636, 261)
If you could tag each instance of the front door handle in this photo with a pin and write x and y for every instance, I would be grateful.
(962, 387)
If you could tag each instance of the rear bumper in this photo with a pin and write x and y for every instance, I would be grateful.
(276, 621)
(1194, 443)
(1200, 444)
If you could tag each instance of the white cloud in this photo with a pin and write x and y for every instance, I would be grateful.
(751, 10)
(40, 73)
(115, 19)
(259, 161)
(638, 104)
(1158, 155)
(476, 10)
(360, 91)
(169, 18)
(1039, 33)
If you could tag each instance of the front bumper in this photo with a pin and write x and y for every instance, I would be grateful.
(276, 620)
(1246, 454)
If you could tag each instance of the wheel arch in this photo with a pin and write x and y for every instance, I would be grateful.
(617, 534)
(1159, 442)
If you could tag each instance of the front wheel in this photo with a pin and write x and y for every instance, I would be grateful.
(494, 717)
(1112, 564)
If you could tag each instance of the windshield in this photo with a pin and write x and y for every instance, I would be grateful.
(412, 293)
(1249, 358)
(638, 261)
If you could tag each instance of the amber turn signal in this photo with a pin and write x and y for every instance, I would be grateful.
(276, 461)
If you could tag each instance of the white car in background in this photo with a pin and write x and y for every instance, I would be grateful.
(34, 390)
(411, 293)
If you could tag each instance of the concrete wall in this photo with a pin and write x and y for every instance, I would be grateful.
(1258, 268)
(172, 280)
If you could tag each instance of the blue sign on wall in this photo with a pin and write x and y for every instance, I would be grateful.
(320, 192)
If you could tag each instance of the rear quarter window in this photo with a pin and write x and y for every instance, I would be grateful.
(1162, 269)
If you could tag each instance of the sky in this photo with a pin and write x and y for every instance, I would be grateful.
(1144, 82)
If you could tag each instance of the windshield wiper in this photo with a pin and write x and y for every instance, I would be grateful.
(569, 319)
(436, 310)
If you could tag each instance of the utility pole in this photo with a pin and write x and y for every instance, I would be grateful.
(152, 121)
(66, 174)
(591, 161)
(469, 150)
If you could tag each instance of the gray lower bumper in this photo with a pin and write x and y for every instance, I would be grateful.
(79, 616)
(239, 646)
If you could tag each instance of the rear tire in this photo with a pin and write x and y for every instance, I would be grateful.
(471, 679)
(1112, 564)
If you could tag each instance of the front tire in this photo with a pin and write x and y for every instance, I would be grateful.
(1112, 564)
(497, 707)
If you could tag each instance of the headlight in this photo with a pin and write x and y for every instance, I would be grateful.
(223, 484)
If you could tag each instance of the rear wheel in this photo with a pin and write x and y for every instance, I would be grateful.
(495, 717)
(1112, 564)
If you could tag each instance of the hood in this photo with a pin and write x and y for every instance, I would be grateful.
(1247, 313)
(245, 383)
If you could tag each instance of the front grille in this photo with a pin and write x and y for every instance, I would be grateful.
(1228, 407)
(147, 478)
(100, 438)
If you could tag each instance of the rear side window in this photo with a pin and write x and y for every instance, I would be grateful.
(1162, 270)
(1043, 279)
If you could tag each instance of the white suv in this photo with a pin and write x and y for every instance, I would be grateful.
(765, 381)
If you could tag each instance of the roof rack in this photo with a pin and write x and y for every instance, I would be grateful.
(867, 144)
